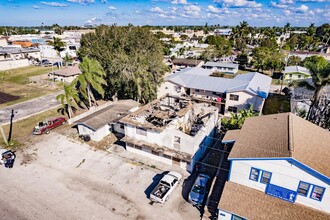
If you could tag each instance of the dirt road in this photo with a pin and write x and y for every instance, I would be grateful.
(58, 178)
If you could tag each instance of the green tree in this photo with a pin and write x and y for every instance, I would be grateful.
(69, 98)
(260, 56)
(57, 43)
(236, 120)
(91, 77)
(67, 59)
(132, 58)
(320, 72)
(294, 61)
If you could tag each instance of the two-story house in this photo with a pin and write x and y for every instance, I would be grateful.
(172, 130)
(279, 169)
(229, 95)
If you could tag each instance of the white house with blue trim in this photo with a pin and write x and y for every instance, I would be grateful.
(285, 157)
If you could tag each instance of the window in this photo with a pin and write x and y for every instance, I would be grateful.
(254, 174)
(317, 193)
(197, 90)
(232, 109)
(155, 153)
(141, 131)
(233, 97)
(290, 75)
(303, 188)
(265, 177)
(138, 147)
(177, 139)
(167, 156)
(299, 76)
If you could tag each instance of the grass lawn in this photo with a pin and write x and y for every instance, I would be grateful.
(276, 103)
(15, 82)
(22, 130)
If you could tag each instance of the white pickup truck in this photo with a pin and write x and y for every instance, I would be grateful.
(165, 187)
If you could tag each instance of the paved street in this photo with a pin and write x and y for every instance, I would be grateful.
(28, 108)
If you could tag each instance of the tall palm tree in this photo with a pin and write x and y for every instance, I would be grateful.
(92, 77)
(320, 72)
(69, 98)
(57, 43)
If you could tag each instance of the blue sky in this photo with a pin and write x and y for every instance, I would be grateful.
(164, 12)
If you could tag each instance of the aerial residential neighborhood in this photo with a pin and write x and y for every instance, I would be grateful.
(165, 110)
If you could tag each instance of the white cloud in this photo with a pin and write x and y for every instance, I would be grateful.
(104, 1)
(112, 8)
(157, 10)
(36, 7)
(286, 2)
(287, 12)
(302, 9)
(176, 2)
(239, 3)
(191, 11)
(83, 2)
(93, 21)
(310, 1)
(213, 9)
(192, 8)
(54, 4)
(276, 5)
(212, 15)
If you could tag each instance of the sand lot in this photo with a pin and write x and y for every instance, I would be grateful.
(58, 178)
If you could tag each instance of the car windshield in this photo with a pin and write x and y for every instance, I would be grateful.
(198, 189)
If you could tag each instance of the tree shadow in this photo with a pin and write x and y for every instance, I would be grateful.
(155, 181)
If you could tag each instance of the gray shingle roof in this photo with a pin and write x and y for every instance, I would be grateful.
(198, 78)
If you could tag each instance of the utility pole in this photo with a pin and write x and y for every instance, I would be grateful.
(3, 135)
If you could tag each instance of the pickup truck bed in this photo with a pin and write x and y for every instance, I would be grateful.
(165, 186)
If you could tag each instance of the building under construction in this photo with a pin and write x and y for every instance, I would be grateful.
(170, 129)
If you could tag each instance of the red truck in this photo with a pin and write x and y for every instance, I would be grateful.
(44, 127)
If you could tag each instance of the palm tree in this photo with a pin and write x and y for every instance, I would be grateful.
(67, 59)
(69, 98)
(320, 72)
(91, 78)
(57, 43)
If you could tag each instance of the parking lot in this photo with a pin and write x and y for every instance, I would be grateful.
(59, 178)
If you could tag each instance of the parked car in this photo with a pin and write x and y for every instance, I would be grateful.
(165, 187)
(46, 62)
(198, 191)
(44, 127)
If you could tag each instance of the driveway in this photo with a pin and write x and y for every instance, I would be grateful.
(61, 178)
(29, 108)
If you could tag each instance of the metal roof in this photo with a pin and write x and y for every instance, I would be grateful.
(198, 78)
(296, 69)
(221, 64)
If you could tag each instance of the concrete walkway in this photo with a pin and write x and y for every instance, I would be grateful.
(26, 109)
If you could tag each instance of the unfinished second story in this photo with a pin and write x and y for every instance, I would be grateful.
(176, 125)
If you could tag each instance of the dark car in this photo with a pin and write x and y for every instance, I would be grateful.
(198, 191)
(44, 127)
